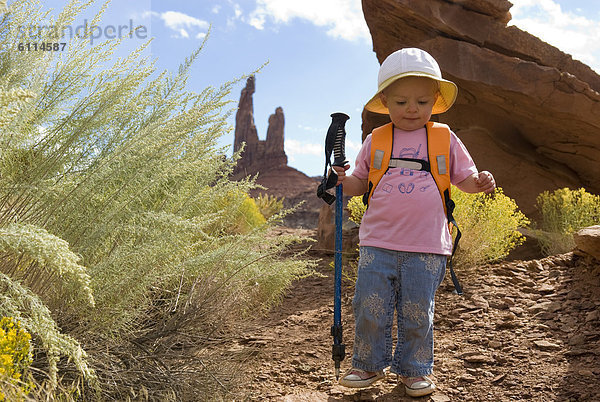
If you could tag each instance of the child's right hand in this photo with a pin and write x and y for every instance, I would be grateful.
(341, 173)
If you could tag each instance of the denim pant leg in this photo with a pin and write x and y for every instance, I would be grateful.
(374, 303)
(420, 276)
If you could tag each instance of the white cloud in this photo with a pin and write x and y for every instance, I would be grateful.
(182, 24)
(237, 15)
(237, 10)
(294, 147)
(313, 129)
(575, 34)
(342, 18)
(353, 146)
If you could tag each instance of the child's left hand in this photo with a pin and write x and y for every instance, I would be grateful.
(485, 182)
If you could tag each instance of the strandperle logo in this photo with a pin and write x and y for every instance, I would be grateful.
(33, 33)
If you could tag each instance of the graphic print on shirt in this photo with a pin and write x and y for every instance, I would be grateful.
(407, 188)
(409, 153)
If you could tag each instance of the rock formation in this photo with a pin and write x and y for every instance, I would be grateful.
(245, 130)
(267, 158)
(587, 241)
(256, 151)
(525, 110)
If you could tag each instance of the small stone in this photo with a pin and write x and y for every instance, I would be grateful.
(499, 378)
(545, 345)
(336, 390)
(546, 288)
(592, 316)
(535, 266)
(480, 302)
(516, 310)
(468, 378)
(437, 397)
(576, 340)
(538, 307)
(479, 358)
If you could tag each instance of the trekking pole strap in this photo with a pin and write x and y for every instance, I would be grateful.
(334, 144)
(455, 281)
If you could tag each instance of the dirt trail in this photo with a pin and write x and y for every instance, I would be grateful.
(524, 330)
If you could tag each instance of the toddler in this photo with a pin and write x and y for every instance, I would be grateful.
(404, 235)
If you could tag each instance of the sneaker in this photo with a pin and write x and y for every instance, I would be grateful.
(357, 378)
(418, 386)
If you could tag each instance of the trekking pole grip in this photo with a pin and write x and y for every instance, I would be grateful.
(338, 123)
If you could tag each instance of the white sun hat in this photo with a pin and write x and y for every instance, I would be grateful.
(416, 63)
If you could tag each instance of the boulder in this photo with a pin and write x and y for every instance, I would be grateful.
(587, 240)
(525, 110)
(326, 231)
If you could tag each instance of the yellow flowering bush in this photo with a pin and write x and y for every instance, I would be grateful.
(15, 358)
(488, 224)
(563, 212)
(356, 209)
(242, 211)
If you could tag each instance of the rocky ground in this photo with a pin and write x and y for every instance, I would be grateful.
(523, 330)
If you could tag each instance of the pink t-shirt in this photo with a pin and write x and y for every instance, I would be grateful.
(405, 211)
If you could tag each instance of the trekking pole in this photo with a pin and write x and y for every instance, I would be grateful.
(338, 351)
(335, 141)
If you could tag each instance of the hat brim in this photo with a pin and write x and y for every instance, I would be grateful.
(447, 93)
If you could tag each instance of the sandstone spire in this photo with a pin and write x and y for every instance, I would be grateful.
(245, 130)
(274, 146)
(258, 155)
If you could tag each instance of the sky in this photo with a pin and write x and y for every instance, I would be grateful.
(316, 55)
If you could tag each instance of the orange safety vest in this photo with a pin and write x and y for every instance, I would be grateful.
(438, 150)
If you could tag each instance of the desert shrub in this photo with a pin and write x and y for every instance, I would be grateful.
(123, 195)
(563, 212)
(15, 359)
(45, 264)
(269, 205)
(34, 316)
(489, 224)
(248, 215)
(356, 209)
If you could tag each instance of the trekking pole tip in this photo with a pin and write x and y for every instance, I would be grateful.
(337, 373)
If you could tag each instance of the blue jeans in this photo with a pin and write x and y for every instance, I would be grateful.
(391, 280)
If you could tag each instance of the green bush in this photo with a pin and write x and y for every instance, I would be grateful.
(138, 252)
(488, 224)
(563, 212)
